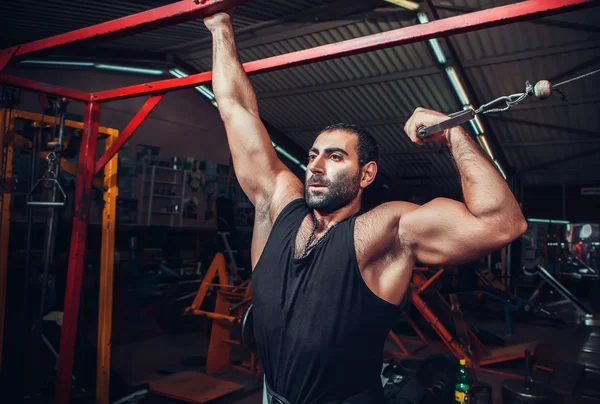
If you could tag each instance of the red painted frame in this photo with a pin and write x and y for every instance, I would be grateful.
(183, 11)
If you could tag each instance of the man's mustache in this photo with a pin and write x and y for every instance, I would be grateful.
(317, 180)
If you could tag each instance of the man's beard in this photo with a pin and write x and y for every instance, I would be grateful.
(339, 192)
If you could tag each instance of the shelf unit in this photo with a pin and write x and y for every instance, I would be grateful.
(151, 179)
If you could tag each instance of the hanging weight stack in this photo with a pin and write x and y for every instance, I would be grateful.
(527, 391)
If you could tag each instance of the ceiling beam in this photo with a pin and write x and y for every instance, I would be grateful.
(545, 21)
(574, 70)
(352, 83)
(566, 129)
(536, 53)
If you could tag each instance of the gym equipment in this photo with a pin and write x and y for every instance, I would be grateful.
(448, 322)
(547, 279)
(231, 327)
(517, 391)
(542, 90)
(45, 126)
(530, 310)
(52, 184)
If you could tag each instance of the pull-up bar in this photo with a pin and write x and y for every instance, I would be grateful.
(171, 14)
(401, 36)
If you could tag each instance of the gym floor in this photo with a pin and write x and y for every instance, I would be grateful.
(155, 357)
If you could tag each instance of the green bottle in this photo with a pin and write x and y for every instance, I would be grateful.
(462, 387)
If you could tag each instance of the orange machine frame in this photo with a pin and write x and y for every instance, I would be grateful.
(481, 356)
(232, 300)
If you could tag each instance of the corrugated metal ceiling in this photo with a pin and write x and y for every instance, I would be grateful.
(381, 89)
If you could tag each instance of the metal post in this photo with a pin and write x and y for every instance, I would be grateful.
(25, 315)
(77, 253)
(107, 265)
(5, 225)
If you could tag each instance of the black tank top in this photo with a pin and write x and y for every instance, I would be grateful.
(319, 329)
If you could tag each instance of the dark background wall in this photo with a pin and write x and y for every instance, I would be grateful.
(563, 203)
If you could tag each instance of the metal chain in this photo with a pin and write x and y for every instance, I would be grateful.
(52, 171)
(508, 101)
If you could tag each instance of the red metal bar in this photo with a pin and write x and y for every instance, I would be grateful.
(44, 88)
(5, 56)
(449, 26)
(159, 17)
(431, 280)
(77, 253)
(137, 120)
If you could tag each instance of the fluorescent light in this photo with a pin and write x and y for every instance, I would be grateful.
(485, 146)
(407, 4)
(434, 43)
(58, 63)
(206, 92)
(458, 87)
(500, 168)
(531, 220)
(178, 73)
(303, 167)
(437, 50)
(129, 69)
(477, 125)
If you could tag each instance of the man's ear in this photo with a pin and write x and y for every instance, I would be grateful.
(369, 172)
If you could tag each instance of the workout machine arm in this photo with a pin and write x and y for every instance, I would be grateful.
(267, 182)
(445, 231)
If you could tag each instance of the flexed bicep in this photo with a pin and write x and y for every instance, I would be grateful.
(444, 232)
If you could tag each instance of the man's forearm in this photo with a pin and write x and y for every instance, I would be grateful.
(485, 192)
(230, 82)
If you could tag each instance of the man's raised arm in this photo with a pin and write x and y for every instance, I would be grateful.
(444, 231)
(261, 174)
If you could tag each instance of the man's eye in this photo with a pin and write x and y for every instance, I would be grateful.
(335, 157)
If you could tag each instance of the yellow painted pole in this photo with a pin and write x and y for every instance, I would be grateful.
(107, 263)
(5, 197)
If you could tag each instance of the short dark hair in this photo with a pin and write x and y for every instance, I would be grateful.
(366, 147)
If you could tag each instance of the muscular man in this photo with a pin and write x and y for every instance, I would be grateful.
(328, 281)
